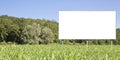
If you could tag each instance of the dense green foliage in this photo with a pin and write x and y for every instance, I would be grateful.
(27, 30)
(55, 52)
(36, 31)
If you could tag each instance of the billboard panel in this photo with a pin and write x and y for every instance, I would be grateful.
(87, 25)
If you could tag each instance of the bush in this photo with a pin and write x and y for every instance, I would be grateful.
(3, 43)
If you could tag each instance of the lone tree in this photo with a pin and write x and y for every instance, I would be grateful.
(47, 35)
(33, 34)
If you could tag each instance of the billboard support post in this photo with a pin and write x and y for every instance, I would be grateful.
(87, 45)
(111, 42)
(62, 44)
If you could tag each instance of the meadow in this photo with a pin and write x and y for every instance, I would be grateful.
(55, 52)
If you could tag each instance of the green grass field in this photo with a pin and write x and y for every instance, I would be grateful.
(55, 52)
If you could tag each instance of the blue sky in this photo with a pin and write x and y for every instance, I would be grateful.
(49, 9)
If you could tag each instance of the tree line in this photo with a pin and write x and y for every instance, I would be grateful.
(14, 30)
(27, 30)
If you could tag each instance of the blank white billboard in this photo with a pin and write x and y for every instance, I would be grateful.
(87, 25)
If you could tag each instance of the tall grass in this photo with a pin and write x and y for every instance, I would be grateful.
(55, 52)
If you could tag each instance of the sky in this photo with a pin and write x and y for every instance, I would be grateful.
(49, 9)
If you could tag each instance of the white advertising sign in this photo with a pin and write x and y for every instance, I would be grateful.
(87, 25)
